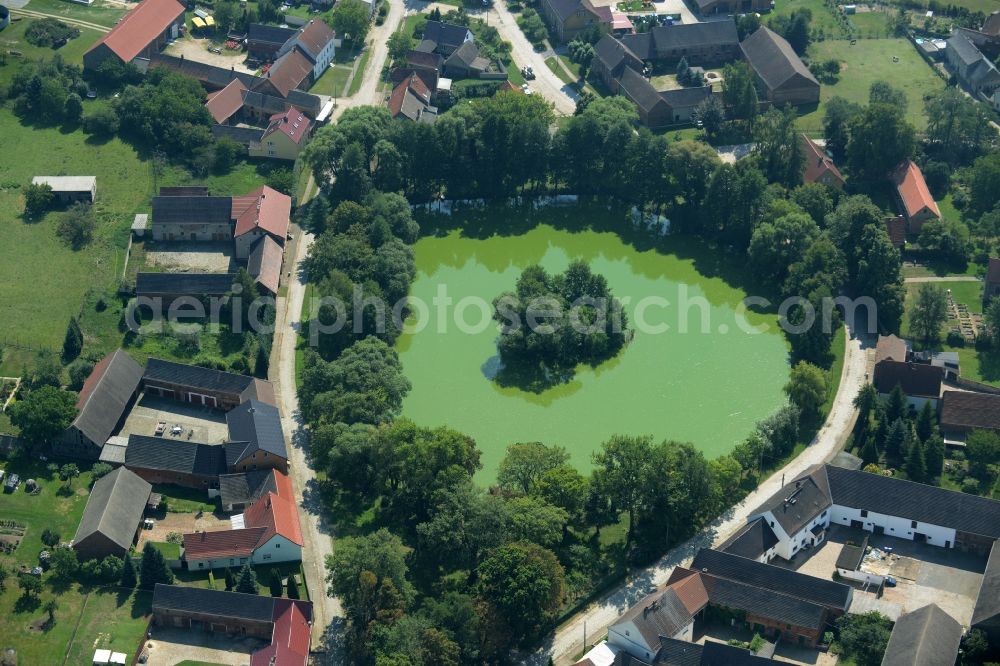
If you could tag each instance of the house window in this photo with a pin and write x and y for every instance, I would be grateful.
(277, 545)
(201, 565)
(267, 556)
(913, 523)
(864, 514)
(823, 515)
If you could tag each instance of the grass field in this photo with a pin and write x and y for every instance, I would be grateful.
(100, 13)
(870, 60)
(34, 310)
(360, 72)
(871, 25)
(12, 39)
(113, 620)
(823, 18)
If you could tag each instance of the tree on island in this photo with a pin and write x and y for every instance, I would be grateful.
(552, 323)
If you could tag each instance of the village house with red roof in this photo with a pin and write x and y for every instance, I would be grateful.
(818, 167)
(266, 533)
(916, 202)
(285, 137)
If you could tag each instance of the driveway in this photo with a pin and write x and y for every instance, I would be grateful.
(195, 49)
(566, 642)
(191, 256)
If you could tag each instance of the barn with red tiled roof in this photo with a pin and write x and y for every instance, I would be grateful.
(141, 33)
(915, 199)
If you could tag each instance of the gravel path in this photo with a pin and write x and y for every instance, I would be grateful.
(946, 278)
(567, 641)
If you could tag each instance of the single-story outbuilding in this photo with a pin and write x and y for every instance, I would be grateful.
(70, 189)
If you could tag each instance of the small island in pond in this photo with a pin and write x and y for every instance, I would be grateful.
(550, 324)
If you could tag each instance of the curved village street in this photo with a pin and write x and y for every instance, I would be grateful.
(568, 639)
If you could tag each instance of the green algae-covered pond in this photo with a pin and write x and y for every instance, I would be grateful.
(707, 386)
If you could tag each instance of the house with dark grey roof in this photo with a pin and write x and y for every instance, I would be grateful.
(798, 515)
(654, 112)
(169, 287)
(826, 495)
(640, 630)
(755, 540)
(198, 218)
(977, 74)
(962, 412)
(256, 438)
(111, 520)
(986, 614)
(264, 41)
(779, 602)
(682, 102)
(240, 490)
(611, 58)
(919, 381)
(178, 462)
(709, 43)
(446, 38)
(103, 403)
(465, 62)
(779, 71)
(926, 637)
(203, 386)
(285, 624)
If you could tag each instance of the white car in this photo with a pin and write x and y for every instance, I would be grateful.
(525, 89)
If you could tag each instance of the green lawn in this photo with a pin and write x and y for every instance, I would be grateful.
(185, 500)
(823, 18)
(100, 13)
(12, 39)
(333, 81)
(170, 551)
(113, 620)
(360, 75)
(514, 74)
(553, 64)
(866, 62)
(871, 25)
(55, 507)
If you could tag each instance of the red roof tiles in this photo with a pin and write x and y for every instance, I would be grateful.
(292, 123)
(913, 189)
(265, 209)
(315, 37)
(222, 544)
(289, 72)
(277, 515)
(290, 639)
(140, 27)
(818, 166)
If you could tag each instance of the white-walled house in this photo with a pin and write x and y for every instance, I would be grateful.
(267, 533)
(800, 512)
(661, 614)
(920, 382)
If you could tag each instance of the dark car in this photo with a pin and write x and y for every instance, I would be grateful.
(890, 581)
(13, 481)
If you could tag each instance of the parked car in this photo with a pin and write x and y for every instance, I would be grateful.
(13, 481)
(528, 73)
(525, 89)
(890, 581)
(216, 50)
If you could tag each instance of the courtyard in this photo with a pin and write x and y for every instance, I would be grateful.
(190, 256)
(182, 421)
(924, 574)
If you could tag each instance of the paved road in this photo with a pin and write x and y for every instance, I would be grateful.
(546, 83)
(945, 278)
(567, 641)
(316, 530)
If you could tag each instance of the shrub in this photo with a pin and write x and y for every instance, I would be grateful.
(50, 33)
(955, 339)
(102, 122)
(77, 225)
(970, 486)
